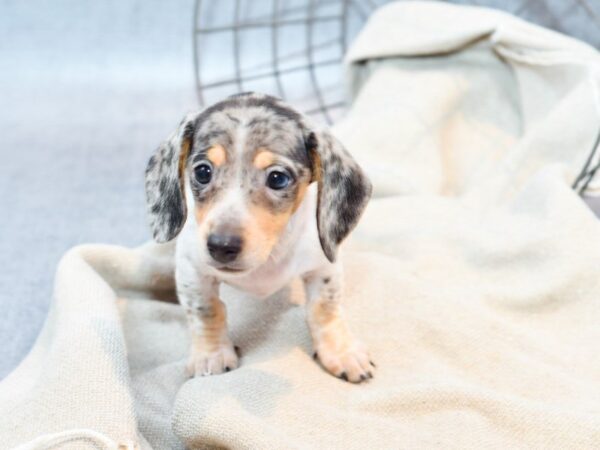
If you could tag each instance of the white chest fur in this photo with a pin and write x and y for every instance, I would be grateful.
(298, 252)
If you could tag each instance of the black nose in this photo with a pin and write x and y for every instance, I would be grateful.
(224, 248)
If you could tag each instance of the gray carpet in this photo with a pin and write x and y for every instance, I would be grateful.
(87, 91)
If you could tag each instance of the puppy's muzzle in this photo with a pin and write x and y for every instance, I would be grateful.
(224, 248)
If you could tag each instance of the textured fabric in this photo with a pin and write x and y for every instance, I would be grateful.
(473, 276)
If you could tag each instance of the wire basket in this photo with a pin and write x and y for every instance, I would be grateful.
(294, 48)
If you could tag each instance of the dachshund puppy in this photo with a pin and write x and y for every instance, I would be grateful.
(234, 184)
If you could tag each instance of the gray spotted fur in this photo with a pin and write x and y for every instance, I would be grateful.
(164, 184)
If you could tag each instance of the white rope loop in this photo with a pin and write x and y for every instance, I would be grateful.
(51, 440)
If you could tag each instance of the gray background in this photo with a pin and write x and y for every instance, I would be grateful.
(87, 91)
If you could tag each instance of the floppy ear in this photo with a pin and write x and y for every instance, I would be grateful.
(165, 194)
(343, 190)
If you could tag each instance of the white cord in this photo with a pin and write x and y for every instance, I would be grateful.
(48, 441)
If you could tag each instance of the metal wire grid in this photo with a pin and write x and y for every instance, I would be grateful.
(321, 29)
(297, 49)
(589, 169)
(294, 48)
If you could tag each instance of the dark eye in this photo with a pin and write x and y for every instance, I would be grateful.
(203, 173)
(278, 180)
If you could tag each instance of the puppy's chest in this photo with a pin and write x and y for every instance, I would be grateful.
(275, 275)
(264, 282)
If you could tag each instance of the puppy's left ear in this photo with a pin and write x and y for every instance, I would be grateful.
(343, 189)
(165, 194)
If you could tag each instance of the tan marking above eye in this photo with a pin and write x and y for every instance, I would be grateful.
(263, 159)
(216, 155)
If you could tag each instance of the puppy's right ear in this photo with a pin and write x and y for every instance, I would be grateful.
(343, 189)
(165, 194)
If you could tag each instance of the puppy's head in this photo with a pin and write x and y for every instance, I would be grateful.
(246, 163)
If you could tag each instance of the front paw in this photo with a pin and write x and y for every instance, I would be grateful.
(218, 359)
(349, 361)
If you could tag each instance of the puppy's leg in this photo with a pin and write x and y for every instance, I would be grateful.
(212, 351)
(335, 347)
